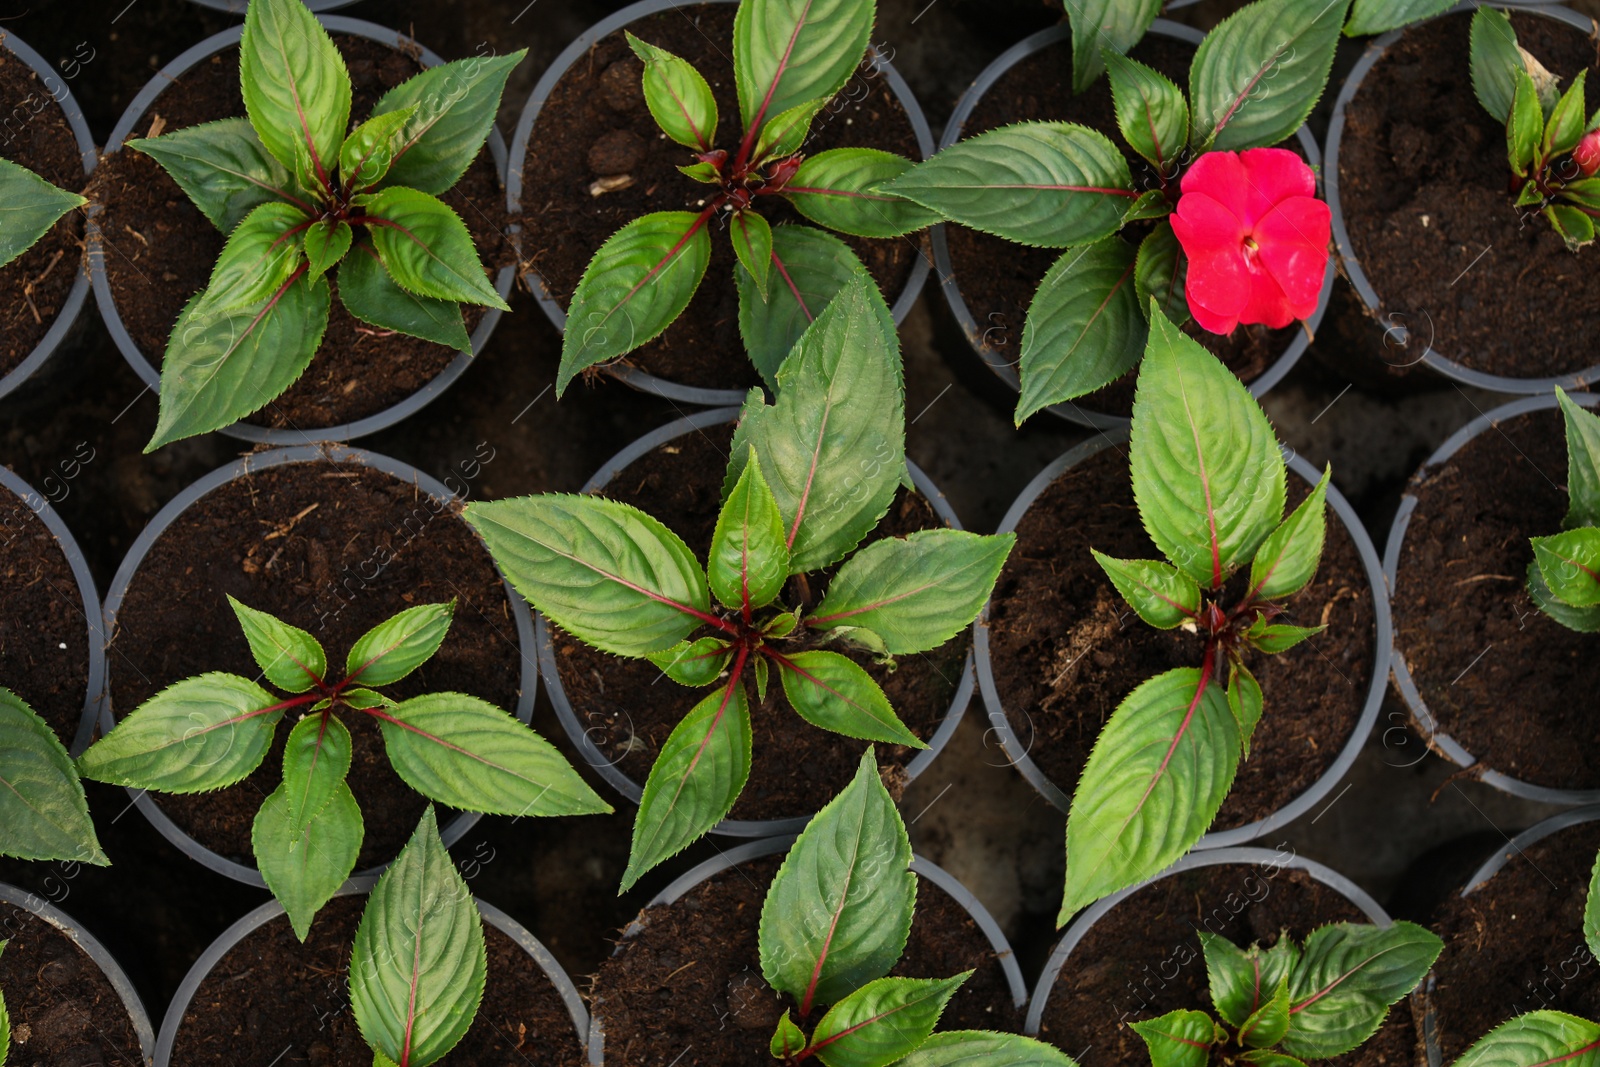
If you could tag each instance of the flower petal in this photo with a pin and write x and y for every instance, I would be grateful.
(1293, 239)
(1218, 288)
(1267, 304)
(1273, 175)
(1223, 177)
(1202, 223)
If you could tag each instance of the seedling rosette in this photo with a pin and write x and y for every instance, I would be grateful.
(1564, 574)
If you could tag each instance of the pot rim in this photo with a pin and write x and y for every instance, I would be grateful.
(236, 7)
(1445, 366)
(151, 376)
(1005, 369)
(751, 850)
(1435, 738)
(329, 452)
(606, 767)
(1017, 754)
(361, 886)
(632, 376)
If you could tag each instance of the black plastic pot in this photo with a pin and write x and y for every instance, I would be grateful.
(67, 318)
(133, 119)
(236, 7)
(32, 902)
(1436, 739)
(86, 590)
(997, 359)
(774, 845)
(1016, 751)
(356, 886)
(1396, 328)
(572, 721)
(453, 830)
(632, 376)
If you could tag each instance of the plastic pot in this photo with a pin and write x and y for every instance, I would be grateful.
(356, 887)
(572, 721)
(67, 317)
(236, 7)
(134, 119)
(1436, 738)
(37, 905)
(1352, 265)
(453, 830)
(1017, 752)
(996, 359)
(554, 311)
(773, 845)
(89, 597)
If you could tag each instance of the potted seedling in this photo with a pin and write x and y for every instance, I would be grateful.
(1564, 575)
(1221, 227)
(208, 732)
(808, 478)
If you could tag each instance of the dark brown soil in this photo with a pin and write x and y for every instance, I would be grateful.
(1066, 649)
(629, 709)
(1423, 182)
(1510, 684)
(63, 1008)
(1516, 943)
(1144, 959)
(160, 249)
(597, 104)
(44, 641)
(334, 549)
(998, 278)
(687, 990)
(34, 133)
(270, 992)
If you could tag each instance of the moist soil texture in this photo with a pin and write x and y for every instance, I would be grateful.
(629, 708)
(595, 125)
(1426, 193)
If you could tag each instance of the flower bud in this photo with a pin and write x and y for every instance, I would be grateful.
(1587, 154)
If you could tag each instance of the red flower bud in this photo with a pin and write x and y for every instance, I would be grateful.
(780, 175)
(1587, 154)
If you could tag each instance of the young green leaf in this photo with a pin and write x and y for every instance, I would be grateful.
(1181, 1038)
(1162, 595)
(1525, 126)
(364, 699)
(1268, 1024)
(426, 248)
(1161, 274)
(290, 658)
(455, 107)
(1084, 327)
(1245, 701)
(418, 963)
(1574, 226)
(1583, 620)
(1151, 111)
(222, 167)
(1495, 61)
(784, 135)
(1288, 558)
(1380, 16)
(5, 1023)
(399, 645)
(43, 813)
(1261, 1057)
(296, 88)
(1538, 1037)
(1101, 31)
(762, 672)
(702, 172)
(833, 692)
(694, 663)
(985, 1048)
(1273, 638)
(840, 189)
(786, 52)
(788, 1039)
(1347, 977)
(678, 97)
(259, 258)
(1152, 204)
(752, 243)
(883, 1021)
(1242, 980)
(369, 151)
(326, 243)
(809, 266)
(749, 559)
(29, 206)
(1570, 565)
(1591, 910)
(838, 912)
(371, 295)
(605, 572)
(1566, 123)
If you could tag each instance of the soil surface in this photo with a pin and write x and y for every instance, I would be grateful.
(1423, 182)
(998, 278)
(1511, 685)
(34, 286)
(1066, 649)
(595, 124)
(687, 989)
(1516, 943)
(1144, 959)
(160, 249)
(64, 1011)
(334, 549)
(271, 992)
(629, 710)
(44, 641)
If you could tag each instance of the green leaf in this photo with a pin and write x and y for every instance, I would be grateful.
(762, 672)
(1495, 61)
(290, 658)
(1151, 111)
(1245, 701)
(1537, 1037)
(883, 1021)
(29, 206)
(364, 699)
(369, 151)
(752, 244)
(296, 88)
(749, 559)
(1258, 74)
(426, 248)
(371, 295)
(839, 189)
(222, 167)
(917, 591)
(605, 572)
(838, 912)
(788, 1039)
(1161, 273)
(1565, 128)
(1101, 31)
(260, 257)
(639, 281)
(1575, 227)
(833, 692)
(1084, 328)
(455, 107)
(1570, 564)
(1585, 192)
(5, 1023)
(786, 52)
(1180, 1038)
(702, 172)
(1273, 638)
(1288, 558)
(985, 1048)
(1591, 910)
(1152, 204)
(1583, 461)
(43, 813)
(809, 267)
(200, 734)
(1242, 980)
(678, 97)
(1268, 1024)
(1154, 782)
(1207, 473)
(694, 663)
(1044, 184)
(307, 833)
(1381, 16)
(1348, 976)
(1583, 620)
(1162, 595)
(418, 964)
(1525, 126)
(399, 645)
(326, 244)
(784, 135)
(1267, 1058)
(698, 774)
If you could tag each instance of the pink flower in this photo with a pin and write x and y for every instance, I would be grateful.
(1587, 154)
(1256, 237)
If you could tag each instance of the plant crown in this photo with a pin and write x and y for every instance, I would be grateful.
(1564, 574)
(29, 206)
(43, 812)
